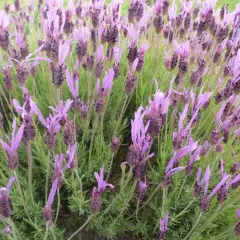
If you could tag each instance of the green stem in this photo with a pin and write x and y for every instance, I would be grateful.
(121, 115)
(151, 196)
(137, 210)
(79, 179)
(184, 210)
(164, 199)
(11, 223)
(92, 138)
(58, 95)
(58, 206)
(75, 233)
(116, 198)
(180, 191)
(46, 233)
(210, 219)
(126, 203)
(47, 177)
(22, 197)
(194, 227)
(30, 161)
(109, 171)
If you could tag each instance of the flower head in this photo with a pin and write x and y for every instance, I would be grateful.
(13, 145)
(106, 85)
(101, 183)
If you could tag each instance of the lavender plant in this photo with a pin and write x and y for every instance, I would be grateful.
(147, 92)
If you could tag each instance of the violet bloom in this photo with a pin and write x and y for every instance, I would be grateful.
(7, 78)
(193, 157)
(26, 113)
(82, 35)
(158, 18)
(7, 231)
(22, 67)
(6, 207)
(163, 227)
(223, 191)
(59, 169)
(51, 124)
(142, 50)
(13, 145)
(133, 50)
(96, 201)
(70, 157)
(117, 56)
(141, 143)
(136, 10)
(104, 90)
(142, 188)
(4, 34)
(100, 59)
(62, 110)
(131, 79)
(58, 70)
(47, 210)
(77, 104)
(22, 44)
(173, 164)
(183, 51)
(156, 112)
(205, 199)
(181, 135)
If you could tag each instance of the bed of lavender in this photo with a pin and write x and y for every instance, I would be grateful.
(119, 120)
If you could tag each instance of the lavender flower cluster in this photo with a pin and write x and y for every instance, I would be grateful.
(201, 72)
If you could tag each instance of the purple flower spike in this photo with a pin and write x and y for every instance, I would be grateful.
(5, 201)
(163, 227)
(26, 113)
(142, 188)
(7, 231)
(47, 210)
(141, 141)
(4, 35)
(101, 183)
(64, 49)
(96, 201)
(104, 90)
(13, 146)
(51, 124)
(58, 170)
(62, 110)
(70, 155)
(73, 84)
(205, 199)
(106, 85)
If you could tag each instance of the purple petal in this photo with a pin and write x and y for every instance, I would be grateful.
(69, 79)
(38, 113)
(17, 107)
(182, 118)
(10, 182)
(235, 180)
(18, 139)
(198, 178)
(238, 213)
(52, 194)
(207, 179)
(5, 146)
(219, 185)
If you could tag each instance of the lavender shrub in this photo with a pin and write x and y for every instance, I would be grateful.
(147, 93)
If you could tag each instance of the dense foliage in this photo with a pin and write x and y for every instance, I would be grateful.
(120, 120)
